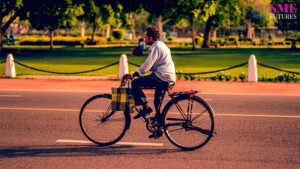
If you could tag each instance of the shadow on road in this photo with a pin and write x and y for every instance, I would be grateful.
(71, 150)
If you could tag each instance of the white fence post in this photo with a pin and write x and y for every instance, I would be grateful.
(10, 66)
(252, 69)
(123, 66)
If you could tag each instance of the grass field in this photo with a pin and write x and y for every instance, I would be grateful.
(72, 59)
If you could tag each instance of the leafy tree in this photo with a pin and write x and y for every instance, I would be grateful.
(256, 14)
(138, 22)
(52, 15)
(10, 10)
(182, 24)
(161, 10)
(113, 14)
(194, 10)
(220, 13)
(92, 16)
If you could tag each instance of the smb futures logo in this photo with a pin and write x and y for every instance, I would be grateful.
(283, 11)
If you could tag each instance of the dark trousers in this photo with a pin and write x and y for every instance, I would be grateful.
(149, 81)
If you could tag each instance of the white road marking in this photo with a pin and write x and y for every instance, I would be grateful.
(120, 143)
(10, 95)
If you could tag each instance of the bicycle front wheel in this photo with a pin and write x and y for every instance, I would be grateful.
(99, 123)
(188, 122)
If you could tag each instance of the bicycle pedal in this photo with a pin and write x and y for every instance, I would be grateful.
(214, 133)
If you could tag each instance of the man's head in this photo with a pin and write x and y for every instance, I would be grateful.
(151, 35)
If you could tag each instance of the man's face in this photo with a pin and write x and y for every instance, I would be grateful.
(148, 40)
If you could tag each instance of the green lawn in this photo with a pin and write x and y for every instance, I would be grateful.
(72, 59)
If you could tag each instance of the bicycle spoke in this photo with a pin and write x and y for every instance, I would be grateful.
(99, 123)
(181, 111)
(192, 128)
(199, 115)
(175, 119)
(203, 131)
(173, 124)
(170, 131)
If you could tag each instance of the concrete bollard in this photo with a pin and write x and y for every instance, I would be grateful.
(123, 66)
(10, 66)
(252, 69)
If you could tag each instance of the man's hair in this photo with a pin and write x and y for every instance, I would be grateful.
(153, 32)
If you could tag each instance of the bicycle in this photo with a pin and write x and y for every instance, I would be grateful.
(188, 130)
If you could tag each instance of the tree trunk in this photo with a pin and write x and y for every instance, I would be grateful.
(133, 34)
(1, 40)
(83, 29)
(214, 34)
(294, 47)
(108, 31)
(94, 32)
(250, 30)
(160, 27)
(193, 34)
(51, 39)
(208, 26)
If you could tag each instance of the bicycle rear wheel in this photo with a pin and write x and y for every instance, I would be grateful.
(188, 122)
(99, 123)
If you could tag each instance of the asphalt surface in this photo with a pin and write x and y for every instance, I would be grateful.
(40, 129)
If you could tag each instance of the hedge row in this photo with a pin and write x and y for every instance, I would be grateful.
(231, 41)
(59, 40)
(221, 76)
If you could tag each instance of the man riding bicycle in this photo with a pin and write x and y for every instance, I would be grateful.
(160, 62)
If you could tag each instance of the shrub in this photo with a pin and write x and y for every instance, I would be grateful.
(67, 40)
(118, 34)
(264, 78)
(171, 39)
(294, 78)
(279, 43)
(280, 77)
(100, 40)
(242, 76)
(213, 77)
(198, 40)
(186, 76)
(235, 78)
(263, 42)
(245, 39)
(59, 40)
(288, 42)
(233, 40)
(110, 39)
(198, 78)
(179, 76)
(228, 77)
(221, 76)
(289, 77)
(192, 77)
(221, 41)
(255, 43)
(270, 43)
(34, 40)
(120, 42)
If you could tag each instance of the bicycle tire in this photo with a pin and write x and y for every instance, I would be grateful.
(201, 133)
(108, 123)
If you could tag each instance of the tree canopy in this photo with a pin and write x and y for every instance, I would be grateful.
(53, 14)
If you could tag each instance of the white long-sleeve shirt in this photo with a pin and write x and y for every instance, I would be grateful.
(160, 62)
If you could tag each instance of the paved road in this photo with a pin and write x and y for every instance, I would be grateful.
(40, 130)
